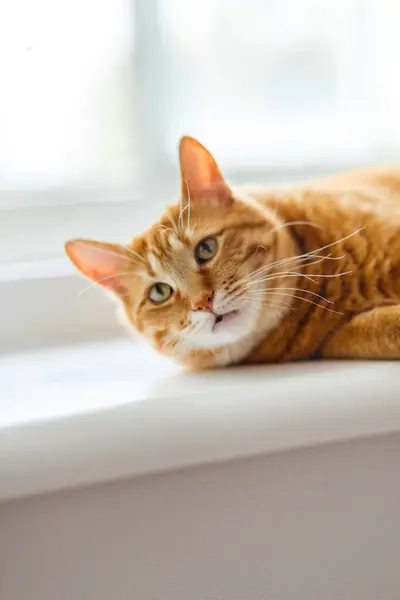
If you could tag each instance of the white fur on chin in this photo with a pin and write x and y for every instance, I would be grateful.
(210, 336)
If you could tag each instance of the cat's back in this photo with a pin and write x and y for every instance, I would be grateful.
(374, 190)
(385, 178)
(366, 198)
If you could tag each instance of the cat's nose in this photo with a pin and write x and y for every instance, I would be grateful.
(203, 302)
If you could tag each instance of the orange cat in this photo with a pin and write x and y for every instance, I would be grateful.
(227, 277)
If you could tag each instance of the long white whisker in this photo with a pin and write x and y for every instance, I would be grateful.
(113, 252)
(305, 300)
(232, 295)
(281, 275)
(180, 211)
(302, 258)
(92, 284)
(134, 253)
(280, 305)
(251, 276)
(181, 215)
(302, 263)
(314, 252)
(265, 292)
(290, 223)
(189, 205)
(295, 274)
(173, 223)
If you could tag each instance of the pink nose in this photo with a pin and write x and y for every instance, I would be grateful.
(203, 302)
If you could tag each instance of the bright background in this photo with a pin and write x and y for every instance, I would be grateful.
(96, 94)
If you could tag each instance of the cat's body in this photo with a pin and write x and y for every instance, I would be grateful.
(262, 275)
(335, 208)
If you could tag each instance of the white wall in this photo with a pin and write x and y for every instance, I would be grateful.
(318, 524)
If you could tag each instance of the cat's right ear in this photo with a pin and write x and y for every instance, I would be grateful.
(105, 264)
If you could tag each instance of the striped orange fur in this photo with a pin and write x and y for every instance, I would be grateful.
(307, 272)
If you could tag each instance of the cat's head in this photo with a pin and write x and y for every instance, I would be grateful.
(194, 283)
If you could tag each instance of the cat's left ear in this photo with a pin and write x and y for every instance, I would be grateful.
(200, 174)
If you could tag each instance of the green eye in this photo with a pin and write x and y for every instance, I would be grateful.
(205, 250)
(159, 293)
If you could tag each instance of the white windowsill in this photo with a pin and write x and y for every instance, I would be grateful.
(97, 412)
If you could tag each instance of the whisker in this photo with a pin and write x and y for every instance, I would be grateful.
(268, 267)
(164, 228)
(280, 305)
(250, 277)
(290, 223)
(92, 284)
(180, 211)
(112, 252)
(305, 300)
(281, 275)
(189, 205)
(131, 251)
(230, 296)
(301, 259)
(288, 274)
(181, 215)
(173, 223)
(314, 252)
(265, 292)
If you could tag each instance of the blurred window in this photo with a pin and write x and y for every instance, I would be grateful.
(95, 94)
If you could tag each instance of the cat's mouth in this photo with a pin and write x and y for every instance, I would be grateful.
(226, 318)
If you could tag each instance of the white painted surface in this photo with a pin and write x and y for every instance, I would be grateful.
(320, 524)
(96, 413)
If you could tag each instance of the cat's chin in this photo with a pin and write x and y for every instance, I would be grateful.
(223, 330)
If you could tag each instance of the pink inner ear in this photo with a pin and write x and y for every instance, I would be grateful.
(217, 192)
(100, 262)
(201, 177)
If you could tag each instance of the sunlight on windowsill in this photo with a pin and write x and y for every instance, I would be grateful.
(96, 412)
(62, 381)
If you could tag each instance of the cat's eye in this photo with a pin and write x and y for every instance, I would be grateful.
(205, 250)
(159, 293)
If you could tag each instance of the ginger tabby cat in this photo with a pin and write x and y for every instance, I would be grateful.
(261, 275)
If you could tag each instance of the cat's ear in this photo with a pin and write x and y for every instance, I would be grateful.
(200, 174)
(105, 264)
